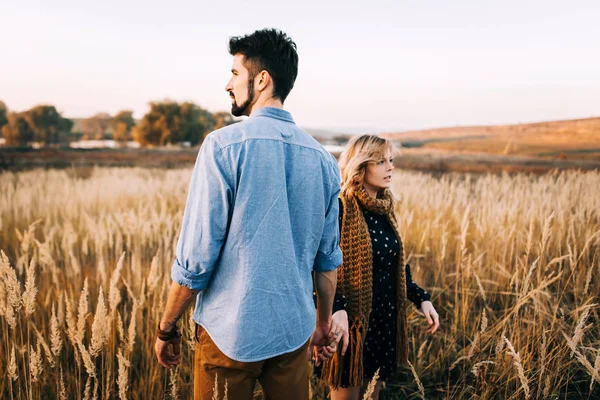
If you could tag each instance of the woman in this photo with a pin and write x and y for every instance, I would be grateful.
(372, 271)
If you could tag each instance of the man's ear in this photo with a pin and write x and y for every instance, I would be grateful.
(262, 80)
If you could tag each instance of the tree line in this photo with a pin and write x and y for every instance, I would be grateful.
(167, 122)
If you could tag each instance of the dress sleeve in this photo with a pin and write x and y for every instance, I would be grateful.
(413, 292)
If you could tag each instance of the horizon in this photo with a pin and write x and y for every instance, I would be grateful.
(333, 131)
(409, 66)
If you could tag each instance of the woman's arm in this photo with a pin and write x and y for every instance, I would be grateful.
(422, 300)
(413, 291)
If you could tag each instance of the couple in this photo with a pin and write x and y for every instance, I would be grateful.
(267, 220)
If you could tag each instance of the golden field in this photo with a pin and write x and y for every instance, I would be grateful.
(512, 262)
(577, 139)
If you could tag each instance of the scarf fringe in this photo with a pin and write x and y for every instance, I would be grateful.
(402, 338)
(333, 368)
(356, 363)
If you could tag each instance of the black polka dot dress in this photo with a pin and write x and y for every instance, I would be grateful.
(380, 341)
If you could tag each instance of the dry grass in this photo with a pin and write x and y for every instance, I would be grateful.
(568, 139)
(511, 261)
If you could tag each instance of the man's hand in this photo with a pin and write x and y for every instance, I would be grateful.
(337, 333)
(180, 297)
(321, 343)
(168, 353)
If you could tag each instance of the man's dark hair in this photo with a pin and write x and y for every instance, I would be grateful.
(270, 50)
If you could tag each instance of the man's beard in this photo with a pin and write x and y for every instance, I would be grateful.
(238, 111)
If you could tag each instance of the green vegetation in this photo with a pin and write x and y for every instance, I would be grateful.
(42, 124)
(167, 122)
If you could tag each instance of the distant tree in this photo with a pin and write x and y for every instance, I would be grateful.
(161, 125)
(97, 125)
(122, 123)
(170, 122)
(17, 131)
(3, 115)
(47, 124)
(198, 122)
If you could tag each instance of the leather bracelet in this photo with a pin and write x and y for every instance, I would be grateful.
(166, 336)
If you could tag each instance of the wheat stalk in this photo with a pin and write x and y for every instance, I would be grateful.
(519, 365)
(35, 363)
(580, 328)
(99, 326)
(480, 286)
(123, 379)
(174, 389)
(55, 334)
(154, 275)
(121, 329)
(12, 365)
(371, 387)
(82, 312)
(596, 373)
(87, 392)
(543, 354)
(114, 295)
(215, 395)
(88, 363)
(192, 332)
(63, 389)
(417, 380)
(30, 290)
(131, 330)
(475, 369)
(46, 348)
(71, 323)
(12, 284)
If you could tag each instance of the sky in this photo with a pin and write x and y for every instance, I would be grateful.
(365, 66)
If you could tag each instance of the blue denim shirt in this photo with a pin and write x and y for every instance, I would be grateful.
(261, 215)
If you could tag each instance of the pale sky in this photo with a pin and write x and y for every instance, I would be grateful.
(369, 66)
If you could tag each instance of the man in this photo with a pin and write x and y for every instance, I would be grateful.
(261, 216)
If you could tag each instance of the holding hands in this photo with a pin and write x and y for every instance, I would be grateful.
(324, 345)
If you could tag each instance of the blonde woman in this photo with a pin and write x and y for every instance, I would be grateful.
(372, 272)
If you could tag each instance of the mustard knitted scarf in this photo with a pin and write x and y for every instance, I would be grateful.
(355, 282)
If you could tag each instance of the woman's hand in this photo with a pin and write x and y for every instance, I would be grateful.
(431, 315)
(339, 330)
(338, 333)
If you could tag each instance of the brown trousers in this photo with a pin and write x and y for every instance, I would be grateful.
(281, 377)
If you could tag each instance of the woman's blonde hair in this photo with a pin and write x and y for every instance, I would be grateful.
(358, 153)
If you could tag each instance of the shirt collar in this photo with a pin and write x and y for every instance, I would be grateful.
(272, 112)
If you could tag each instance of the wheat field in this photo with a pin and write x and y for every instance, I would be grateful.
(512, 262)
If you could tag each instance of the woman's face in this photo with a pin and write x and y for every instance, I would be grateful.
(378, 174)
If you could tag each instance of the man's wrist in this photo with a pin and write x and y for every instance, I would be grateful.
(166, 326)
(324, 323)
(167, 335)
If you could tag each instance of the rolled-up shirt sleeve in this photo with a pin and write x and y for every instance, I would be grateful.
(206, 218)
(329, 255)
